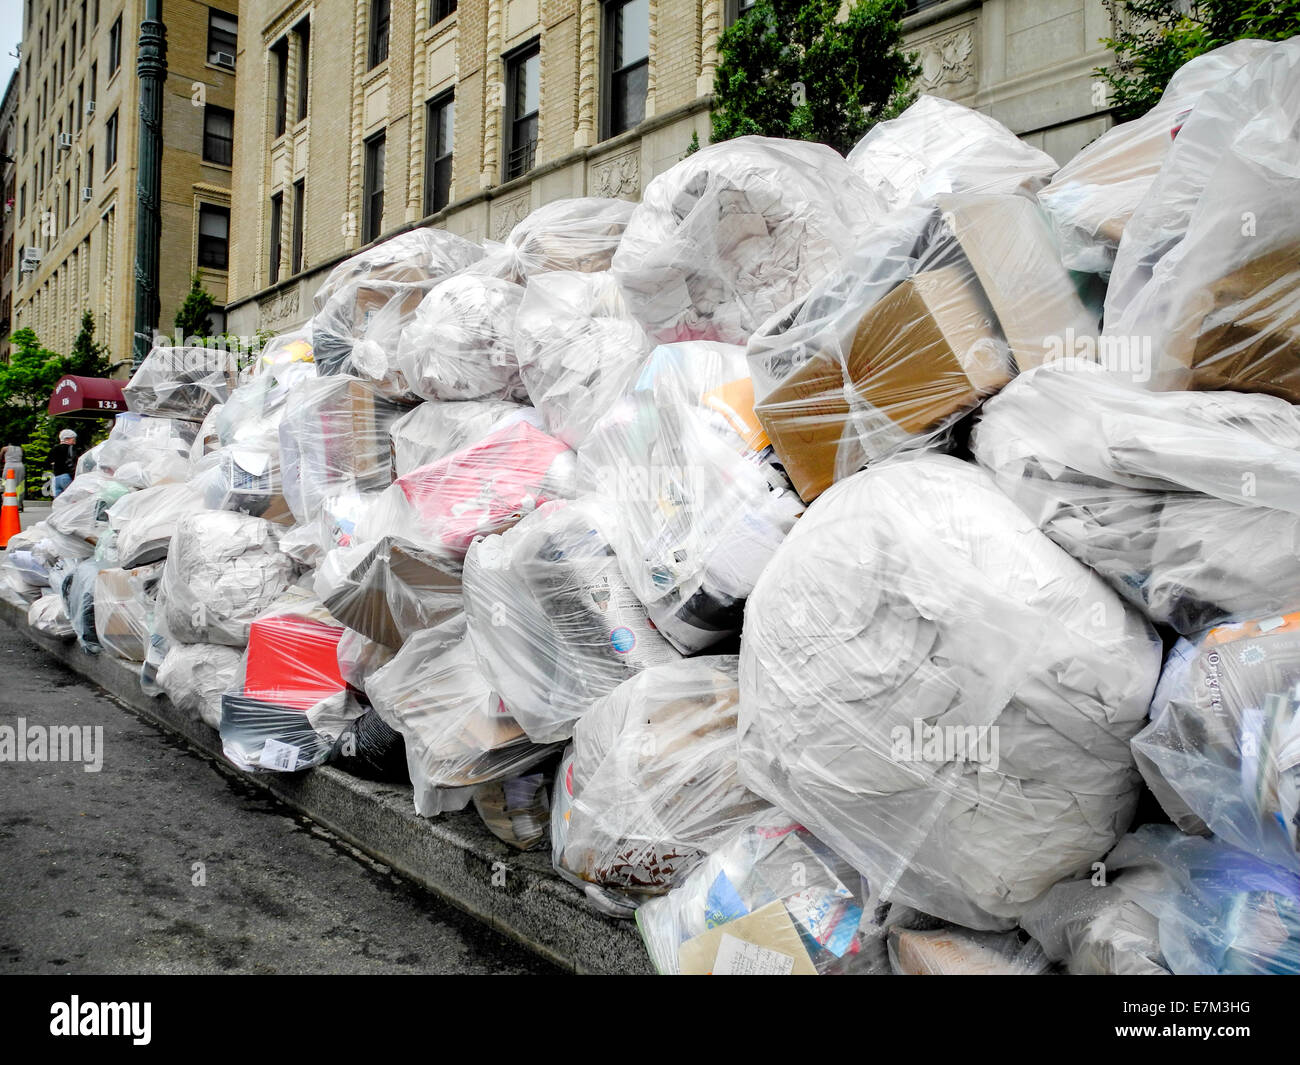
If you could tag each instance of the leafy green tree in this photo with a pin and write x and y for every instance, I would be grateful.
(194, 318)
(1156, 37)
(88, 357)
(25, 386)
(792, 68)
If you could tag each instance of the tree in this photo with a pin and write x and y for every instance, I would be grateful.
(194, 319)
(88, 358)
(25, 387)
(790, 68)
(1156, 37)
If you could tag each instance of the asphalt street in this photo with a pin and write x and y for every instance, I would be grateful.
(164, 862)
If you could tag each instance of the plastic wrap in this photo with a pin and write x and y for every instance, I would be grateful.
(359, 657)
(283, 351)
(1207, 272)
(1095, 929)
(942, 694)
(223, 571)
(770, 898)
(1222, 752)
(123, 602)
(939, 146)
(81, 510)
(1220, 910)
(460, 342)
(76, 585)
(579, 349)
(734, 232)
(367, 301)
(334, 442)
(961, 952)
(31, 555)
(413, 256)
(288, 705)
(436, 429)
(686, 467)
(1186, 502)
(145, 521)
(389, 589)
(517, 810)
(458, 733)
(934, 311)
(552, 619)
(194, 677)
(141, 451)
(579, 234)
(483, 488)
(1093, 196)
(653, 785)
(183, 382)
(48, 615)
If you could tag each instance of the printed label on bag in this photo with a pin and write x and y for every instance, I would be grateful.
(277, 755)
(738, 958)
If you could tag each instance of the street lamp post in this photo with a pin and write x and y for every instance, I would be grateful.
(151, 68)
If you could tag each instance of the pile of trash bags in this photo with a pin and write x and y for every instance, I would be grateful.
(875, 565)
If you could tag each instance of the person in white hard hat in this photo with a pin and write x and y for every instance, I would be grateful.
(63, 460)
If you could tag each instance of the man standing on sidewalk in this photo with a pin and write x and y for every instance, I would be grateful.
(63, 460)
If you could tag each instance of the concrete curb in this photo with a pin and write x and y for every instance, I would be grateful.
(454, 856)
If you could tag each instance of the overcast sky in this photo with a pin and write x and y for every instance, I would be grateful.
(11, 32)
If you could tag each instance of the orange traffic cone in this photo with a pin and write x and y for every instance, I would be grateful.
(10, 524)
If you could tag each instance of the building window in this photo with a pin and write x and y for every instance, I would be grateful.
(81, 104)
(439, 124)
(372, 223)
(90, 169)
(303, 30)
(94, 81)
(67, 203)
(280, 57)
(277, 225)
(214, 236)
(22, 202)
(84, 20)
(218, 135)
(24, 136)
(523, 97)
(223, 37)
(115, 46)
(379, 17)
(110, 142)
(627, 60)
(295, 248)
(441, 9)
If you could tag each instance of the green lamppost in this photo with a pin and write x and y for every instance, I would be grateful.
(151, 68)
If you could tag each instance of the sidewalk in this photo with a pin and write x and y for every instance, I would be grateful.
(453, 856)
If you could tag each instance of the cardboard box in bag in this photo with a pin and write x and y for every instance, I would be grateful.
(1242, 331)
(1014, 253)
(926, 351)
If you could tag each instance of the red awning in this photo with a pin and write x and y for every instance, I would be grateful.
(86, 397)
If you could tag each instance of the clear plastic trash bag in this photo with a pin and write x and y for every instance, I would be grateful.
(194, 677)
(653, 787)
(460, 342)
(578, 347)
(551, 618)
(123, 604)
(436, 429)
(1219, 909)
(458, 732)
(734, 232)
(942, 694)
(1207, 271)
(181, 382)
(769, 898)
(1222, 752)
(579, 234)
(688, 471)
(938, 146)
(1186, 502)
(1092, 197)
(223, 570)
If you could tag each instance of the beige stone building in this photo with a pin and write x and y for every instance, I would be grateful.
(358, 118)
(9, 219)
(77, 161)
